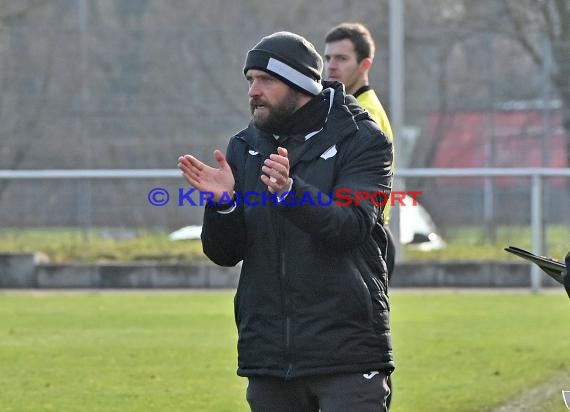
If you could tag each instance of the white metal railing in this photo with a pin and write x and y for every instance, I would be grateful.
(160, 173)
(89, 174)
(536, 174)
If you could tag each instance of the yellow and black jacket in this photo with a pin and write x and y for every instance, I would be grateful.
(367, 99)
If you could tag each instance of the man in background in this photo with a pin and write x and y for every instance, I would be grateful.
(348, 57)
(349, 53)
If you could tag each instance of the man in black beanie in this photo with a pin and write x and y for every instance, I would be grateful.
(298, 198)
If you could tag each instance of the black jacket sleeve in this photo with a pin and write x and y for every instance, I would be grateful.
(223, 235)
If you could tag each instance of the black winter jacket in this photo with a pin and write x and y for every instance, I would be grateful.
(312, 294)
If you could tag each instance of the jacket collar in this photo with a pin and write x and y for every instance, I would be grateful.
(337, 126)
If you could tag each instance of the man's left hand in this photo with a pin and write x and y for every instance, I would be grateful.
(276, 173)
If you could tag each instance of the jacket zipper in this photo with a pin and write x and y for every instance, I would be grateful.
(285, 301)
(287, 323)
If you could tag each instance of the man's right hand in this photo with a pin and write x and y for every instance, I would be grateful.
(218, 181)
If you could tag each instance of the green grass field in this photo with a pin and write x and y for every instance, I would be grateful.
(73, 245)
(175, 351)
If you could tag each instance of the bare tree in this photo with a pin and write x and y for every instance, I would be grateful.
(549, 19)
(17, 123)
(12, 11)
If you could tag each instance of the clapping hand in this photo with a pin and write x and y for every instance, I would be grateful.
(276, 170)
(218, 181)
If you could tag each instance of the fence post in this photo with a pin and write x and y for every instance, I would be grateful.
(536, 228)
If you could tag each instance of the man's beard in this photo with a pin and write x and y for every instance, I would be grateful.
(276, 116)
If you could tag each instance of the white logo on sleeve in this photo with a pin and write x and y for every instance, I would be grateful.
(370, 375)
(330, 152)
(253, 152)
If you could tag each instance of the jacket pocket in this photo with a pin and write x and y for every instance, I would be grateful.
(363, 300)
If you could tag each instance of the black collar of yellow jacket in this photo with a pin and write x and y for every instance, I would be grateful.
(339, 123)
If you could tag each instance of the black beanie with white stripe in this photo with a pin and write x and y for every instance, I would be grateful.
(289, 57)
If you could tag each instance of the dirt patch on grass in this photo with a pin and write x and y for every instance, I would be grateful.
(543, 398)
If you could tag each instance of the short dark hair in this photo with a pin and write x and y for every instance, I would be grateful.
(358, 34)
